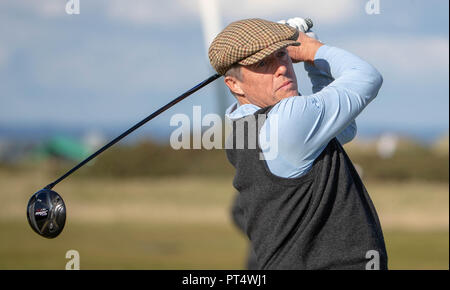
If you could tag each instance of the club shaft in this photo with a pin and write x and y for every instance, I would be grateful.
(124, 134)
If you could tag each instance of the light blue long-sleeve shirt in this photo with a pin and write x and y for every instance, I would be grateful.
(343, 85)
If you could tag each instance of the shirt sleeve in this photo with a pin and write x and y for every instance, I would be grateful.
(319, 80)
(348, 134)
(307, 123)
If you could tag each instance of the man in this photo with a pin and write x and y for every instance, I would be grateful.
(305, 208)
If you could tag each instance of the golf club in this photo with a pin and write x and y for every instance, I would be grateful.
(46, 211)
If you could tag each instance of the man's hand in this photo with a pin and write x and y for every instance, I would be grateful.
(309, 42)
(307, 49)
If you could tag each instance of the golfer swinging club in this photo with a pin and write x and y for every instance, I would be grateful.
(307, 208)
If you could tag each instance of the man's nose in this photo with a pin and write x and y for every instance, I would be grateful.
(281, 67)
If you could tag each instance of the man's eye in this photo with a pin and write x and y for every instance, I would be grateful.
(281, 54)
(261, 63)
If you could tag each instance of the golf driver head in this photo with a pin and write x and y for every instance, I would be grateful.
(46, 213)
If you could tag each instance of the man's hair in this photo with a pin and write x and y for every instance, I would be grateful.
(234, 71)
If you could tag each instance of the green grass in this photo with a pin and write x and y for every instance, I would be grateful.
(124, 246)
(184, 223)
(417, 250)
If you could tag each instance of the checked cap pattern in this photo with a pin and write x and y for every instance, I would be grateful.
(249, 41)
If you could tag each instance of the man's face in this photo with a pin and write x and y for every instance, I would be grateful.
(267, 82)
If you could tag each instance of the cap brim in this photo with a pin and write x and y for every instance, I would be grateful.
(260, 55)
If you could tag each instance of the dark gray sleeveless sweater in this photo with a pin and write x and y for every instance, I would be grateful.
(324, 219)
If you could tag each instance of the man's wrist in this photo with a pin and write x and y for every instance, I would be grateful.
(313, 48)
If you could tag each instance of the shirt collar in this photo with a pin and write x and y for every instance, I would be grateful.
(236, 111)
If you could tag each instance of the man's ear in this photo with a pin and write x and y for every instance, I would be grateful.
(234, 85)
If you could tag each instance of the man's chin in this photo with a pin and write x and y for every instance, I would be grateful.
(290, 93)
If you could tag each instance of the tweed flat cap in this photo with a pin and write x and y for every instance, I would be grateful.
(249, 41)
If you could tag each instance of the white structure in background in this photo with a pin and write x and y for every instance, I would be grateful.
(94, 140)
(212, 25)
(387, 145)
(209, 10)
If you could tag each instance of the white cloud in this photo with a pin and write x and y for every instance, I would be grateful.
(176, 12)
(51, 8)
(144, 12)
(44, 8)
(112, 64)
(179, 12)
(3, 57)
(324, 11)
(405, 56)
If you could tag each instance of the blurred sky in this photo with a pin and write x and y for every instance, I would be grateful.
(120, 60)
